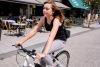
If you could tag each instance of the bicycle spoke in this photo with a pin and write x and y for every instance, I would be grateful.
(63, 58)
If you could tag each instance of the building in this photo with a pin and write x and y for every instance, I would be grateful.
(17, 7)
(23, 7)
(31, 7)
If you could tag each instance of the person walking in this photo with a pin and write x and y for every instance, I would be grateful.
(0, 27)
(0, 33)
(52, 20)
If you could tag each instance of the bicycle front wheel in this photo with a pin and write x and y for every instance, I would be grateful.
(63, 58)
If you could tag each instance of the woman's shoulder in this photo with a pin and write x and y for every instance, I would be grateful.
(57, 21)
(42, 18)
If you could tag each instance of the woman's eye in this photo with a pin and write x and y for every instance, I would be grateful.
(46, 8)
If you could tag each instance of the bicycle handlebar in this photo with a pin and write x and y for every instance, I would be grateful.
(28, 52)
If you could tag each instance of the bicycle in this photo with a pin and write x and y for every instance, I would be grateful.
(31, 54)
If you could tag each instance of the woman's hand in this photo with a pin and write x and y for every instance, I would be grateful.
(18, 43)
(39, 55)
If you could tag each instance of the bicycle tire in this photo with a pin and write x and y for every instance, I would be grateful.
(63, 57)
(20, 59)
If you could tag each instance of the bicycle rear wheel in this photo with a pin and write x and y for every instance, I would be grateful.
(63, 57)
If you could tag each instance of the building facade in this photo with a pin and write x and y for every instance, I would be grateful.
(16, 8)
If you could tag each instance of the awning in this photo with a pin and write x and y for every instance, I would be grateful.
(29, 1)
(23, 1)
(78, 4)
(60, 5)
(41, 1)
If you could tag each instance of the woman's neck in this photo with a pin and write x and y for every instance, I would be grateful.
(49, 18)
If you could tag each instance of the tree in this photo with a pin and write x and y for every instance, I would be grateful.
(93, 3)
(93, 6)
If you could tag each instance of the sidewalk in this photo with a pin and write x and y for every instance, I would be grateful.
(6, 49)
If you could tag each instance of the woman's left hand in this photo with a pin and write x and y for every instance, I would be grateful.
(39, 55)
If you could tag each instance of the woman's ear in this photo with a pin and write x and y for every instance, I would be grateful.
(52, 12)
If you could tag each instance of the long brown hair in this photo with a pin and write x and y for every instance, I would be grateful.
(57, 13)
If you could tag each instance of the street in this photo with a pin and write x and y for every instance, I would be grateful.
(83, 49)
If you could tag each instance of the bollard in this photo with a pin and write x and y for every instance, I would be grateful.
(0, 33)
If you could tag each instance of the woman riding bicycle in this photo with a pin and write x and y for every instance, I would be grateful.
(53, 21)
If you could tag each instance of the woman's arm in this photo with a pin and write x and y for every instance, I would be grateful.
(54, 30)
(32, 32)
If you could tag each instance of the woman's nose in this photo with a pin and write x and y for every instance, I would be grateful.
(44, 10)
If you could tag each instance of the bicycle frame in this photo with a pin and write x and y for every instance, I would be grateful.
(26, 62)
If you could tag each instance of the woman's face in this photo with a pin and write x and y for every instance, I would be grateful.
(47, 10)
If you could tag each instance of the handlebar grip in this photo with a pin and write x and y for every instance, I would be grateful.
(18, 46)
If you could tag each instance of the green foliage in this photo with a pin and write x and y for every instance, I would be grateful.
(93, 3)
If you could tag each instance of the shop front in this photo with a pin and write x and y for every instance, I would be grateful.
(17, 7)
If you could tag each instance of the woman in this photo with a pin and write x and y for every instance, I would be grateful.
(52, 20)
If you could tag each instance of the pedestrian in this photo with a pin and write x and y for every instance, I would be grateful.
(96, 18)
(99, 19)
(0, 33)
(0, 27)
(52, 20)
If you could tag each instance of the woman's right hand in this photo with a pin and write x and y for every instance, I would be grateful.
(18, 44)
